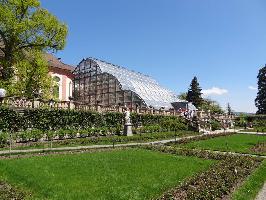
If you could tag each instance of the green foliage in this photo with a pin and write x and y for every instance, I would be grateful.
(217, 182)
(3, 139)
(260, 101)
(182, 96)
(128, 174)
(251, 187)
(229, 109)
(212, 106)
(45, 119)
(194, 93)
(32, 77)
(228, 142)
(216, 125)
(242, 120)
(26, 27)
(9, 120)
(214, 183)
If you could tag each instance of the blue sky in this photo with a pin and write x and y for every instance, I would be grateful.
(222, 42)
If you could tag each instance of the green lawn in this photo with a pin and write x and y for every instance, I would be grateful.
(117, 174)
(235, 143)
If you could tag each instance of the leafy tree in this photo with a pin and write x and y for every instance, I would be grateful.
(32, 78)
(194, 93)
(183, 96)
(212, 106)
(25, 26)
(261, 96)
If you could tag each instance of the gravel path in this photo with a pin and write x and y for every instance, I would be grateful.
(262, 193)
(89, 147)
(252, 133)
(96, 146)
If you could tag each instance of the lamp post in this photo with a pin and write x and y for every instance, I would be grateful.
(2, 95)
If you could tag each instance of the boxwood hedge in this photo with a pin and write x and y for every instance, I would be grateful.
(53, 119)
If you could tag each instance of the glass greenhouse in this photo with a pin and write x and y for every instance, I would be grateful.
(100, 83)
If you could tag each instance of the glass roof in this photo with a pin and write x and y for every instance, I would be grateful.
(146, 87)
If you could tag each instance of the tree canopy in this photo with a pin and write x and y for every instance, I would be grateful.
(212, 106)
(24, 27)
(34, 80)
(260, 101)
(194, 93)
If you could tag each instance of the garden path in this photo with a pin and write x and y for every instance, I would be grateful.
(92, 146)
(262, 193)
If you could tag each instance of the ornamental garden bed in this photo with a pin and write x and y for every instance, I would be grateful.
(240, 143)
(222, 180)
(97, 140)
(116, 174)
(147, 172)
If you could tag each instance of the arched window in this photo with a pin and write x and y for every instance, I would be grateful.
(56, 82)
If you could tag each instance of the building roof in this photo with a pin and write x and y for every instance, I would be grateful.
(56, 63)
(145, 86)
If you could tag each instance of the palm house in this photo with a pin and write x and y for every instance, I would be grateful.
(98, 82)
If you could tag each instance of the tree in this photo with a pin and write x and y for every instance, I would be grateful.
(194, 93)
(25, 26)
(32, 78)
(212, 106)
(182, 96)
(229, 109)
(260, 101)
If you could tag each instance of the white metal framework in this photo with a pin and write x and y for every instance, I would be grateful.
(110, 84)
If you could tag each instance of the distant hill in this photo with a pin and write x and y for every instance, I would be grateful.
(245, 113)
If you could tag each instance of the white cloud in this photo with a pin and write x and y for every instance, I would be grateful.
(252, 88)
(214, 91)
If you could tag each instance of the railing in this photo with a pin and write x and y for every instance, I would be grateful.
(24, 103)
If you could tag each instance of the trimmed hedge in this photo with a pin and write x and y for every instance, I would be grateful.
(45, 119)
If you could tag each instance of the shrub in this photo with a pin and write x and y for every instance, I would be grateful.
(216, 125)
(45, 119)
(36, 135)
(3, 139)
(61, 134)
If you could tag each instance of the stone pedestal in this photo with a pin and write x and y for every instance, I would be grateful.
(35, 104)
(128, 129)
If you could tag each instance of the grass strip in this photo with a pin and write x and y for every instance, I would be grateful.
(240, 143)
(252, 185)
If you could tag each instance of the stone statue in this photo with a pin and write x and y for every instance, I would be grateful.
(2, 93)
(128, 125)
(127, 117)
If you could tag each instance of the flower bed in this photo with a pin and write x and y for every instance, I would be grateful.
(92, 140)
(215, 183)
(259, 148)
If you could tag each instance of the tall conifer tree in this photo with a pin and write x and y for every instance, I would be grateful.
(194, 93)
(261, 96)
